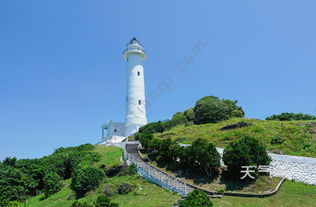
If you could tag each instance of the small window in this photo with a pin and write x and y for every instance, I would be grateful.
(115, 130)
(138, 73)
(139, 102)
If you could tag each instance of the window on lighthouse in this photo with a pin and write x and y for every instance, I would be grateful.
(139, 102)
(138, 73)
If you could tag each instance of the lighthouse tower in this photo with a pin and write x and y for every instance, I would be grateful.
(135, 117)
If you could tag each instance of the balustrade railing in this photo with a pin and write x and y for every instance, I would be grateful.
(158, 176)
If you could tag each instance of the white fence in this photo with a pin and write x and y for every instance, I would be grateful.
(159, 177)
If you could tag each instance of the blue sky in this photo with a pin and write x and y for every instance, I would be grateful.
(62, 74)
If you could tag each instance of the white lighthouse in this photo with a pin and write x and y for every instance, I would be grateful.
(135, 117)
(135, 91)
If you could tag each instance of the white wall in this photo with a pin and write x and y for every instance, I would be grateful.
(301, 169)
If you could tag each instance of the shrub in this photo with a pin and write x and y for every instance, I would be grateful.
(79, 204)
(237, 125)
(204, 155)
(189, 114)
(152, 128)
(246, 151)
(145, 140)
(52, 184)
(276, 140)
(177, 119)
(291, 116)
(85, 180)
(130, 170)
(103, 201)
(109, 190)
(114, 170)
(14, 185)
(196, 198)
(125, 188)
(210, 109)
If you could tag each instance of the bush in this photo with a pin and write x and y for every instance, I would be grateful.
(79, 204)
(145, 140)
(234, 126)
(85, 180)
(246, 151)
(109, 190)
(52, 184)
(114, 170)
(103, 201)
(204, 155)
(196, 198)
(177, 119)
(152, 128)
(210, 109)
(276, 140)
(291, 116)
(14, 185)
(125, 188)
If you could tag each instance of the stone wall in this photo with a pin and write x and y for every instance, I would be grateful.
(301, 169)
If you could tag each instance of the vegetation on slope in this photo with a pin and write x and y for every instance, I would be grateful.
(144, 194)
(283, 137)
(291, 194)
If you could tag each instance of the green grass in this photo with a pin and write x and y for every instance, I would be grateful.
(145, 195)
(297, 137)
(291, 194)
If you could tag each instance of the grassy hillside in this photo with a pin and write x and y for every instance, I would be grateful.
(296, 136)
(291, 194)
(144, 195)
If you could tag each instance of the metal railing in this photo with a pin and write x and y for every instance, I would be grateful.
(159, 177)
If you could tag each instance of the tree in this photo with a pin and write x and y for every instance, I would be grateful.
(291, 116)
(52, 183)
(211, 109)
(246, 151)
(145, 140)
(196, 198)
(85, 180)
(14, 184)
(205, 156)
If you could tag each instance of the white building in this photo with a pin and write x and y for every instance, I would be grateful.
(135, 117)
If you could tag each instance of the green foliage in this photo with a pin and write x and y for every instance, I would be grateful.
(125, 188)
(20, 179)
(196, 198)
(247, 151)
(10, 161)
(85, 180)
(236, 125)
(52, 183)
(276, 140)
(201, 156)
(204, 155)
(177, 119)
(15, 204)
(291, 117)
(189, 114)
(81, 204)
(103, 201)
(152, 128)
(210, 109)
(120, 170)
(145, 140)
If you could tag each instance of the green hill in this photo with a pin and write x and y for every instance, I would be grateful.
(282, 137)
(145, 193)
